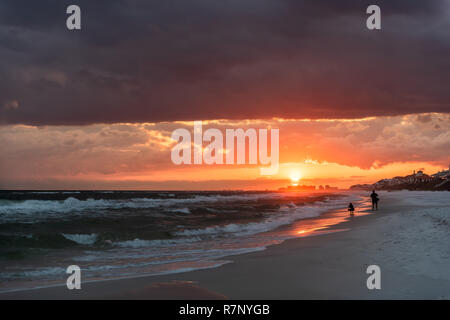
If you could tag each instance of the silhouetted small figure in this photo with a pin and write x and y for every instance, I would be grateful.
(351, 209)
(375, 200)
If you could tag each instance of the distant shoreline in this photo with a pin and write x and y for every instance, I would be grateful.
(440, 181)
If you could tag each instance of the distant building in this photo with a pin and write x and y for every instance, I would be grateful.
(298, 188)
(415, 181)
(308, 188)
(444, 174)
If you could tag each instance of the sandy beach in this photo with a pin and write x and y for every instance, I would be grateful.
(410, 247)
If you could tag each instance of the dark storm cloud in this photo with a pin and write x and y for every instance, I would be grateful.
(137, 61)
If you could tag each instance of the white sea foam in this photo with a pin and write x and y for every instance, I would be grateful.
(74, 205)
(138, 243)
(181, 210)
(286, 215)
(85, 239)
(38, 273)
(52, 206)
(31, 211)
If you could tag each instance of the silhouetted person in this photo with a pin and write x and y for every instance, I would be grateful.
(375, 199)
(351, 208)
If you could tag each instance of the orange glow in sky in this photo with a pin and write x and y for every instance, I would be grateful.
(137, 156)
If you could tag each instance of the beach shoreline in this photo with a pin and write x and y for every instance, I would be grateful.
(325, 266)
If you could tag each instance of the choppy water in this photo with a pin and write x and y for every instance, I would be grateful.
(127, 233)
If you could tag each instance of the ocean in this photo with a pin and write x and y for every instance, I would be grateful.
(114, 234)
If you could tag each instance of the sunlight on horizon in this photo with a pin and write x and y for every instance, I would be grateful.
(295, 176)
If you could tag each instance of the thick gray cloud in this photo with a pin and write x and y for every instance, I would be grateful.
(136, 61)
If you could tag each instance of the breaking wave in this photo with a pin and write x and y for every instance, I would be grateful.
(84, 239)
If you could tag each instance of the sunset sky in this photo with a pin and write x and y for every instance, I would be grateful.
(137, 156)
(95, 108)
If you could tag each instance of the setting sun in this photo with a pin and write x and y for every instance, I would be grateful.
(295, 176)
